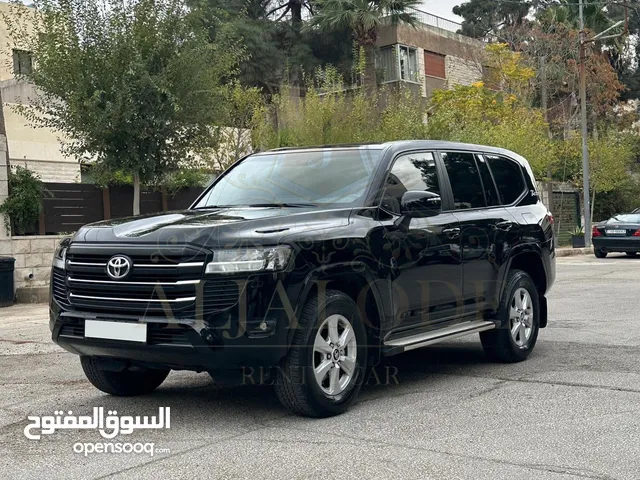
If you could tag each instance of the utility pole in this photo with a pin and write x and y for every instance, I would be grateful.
(583, 120)
(583, 109)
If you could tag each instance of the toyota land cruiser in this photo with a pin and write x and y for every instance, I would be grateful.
(311, 264)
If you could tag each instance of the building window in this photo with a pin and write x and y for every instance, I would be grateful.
(434, 65)
(386, 63)
(398, 62)
(22, 62)
(408, 63)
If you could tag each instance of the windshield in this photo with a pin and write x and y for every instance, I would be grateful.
(298, 178)
(626, 218)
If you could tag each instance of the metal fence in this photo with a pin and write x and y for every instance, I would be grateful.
(68, 206)
(427, 18)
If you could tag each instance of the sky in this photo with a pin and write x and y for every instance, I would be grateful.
(442, 8)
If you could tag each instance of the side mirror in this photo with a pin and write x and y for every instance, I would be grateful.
(417, 203)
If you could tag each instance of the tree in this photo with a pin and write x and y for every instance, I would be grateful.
(363, 18)
(484, 18)
(234, 137)
(476, 114)
(134, 86)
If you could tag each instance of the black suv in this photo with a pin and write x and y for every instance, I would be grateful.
(306, 266)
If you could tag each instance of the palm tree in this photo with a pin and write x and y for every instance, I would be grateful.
(363, 18)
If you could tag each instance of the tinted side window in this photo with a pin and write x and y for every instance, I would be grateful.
(490, 192)
(508, 176)
(414, 171)
(465, 180)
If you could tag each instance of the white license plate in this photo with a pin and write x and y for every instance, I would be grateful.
(131, 332)
(616, 232)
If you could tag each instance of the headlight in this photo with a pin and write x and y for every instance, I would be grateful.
(269, 259)
(60, 255)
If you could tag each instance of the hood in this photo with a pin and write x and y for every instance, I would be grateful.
(213, 227)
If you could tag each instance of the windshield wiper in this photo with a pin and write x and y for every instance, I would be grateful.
(283, 205)
(207, 207)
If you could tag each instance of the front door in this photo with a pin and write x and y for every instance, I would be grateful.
(423, 253)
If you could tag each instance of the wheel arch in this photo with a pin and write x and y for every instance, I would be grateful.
(530, 261)
(357, 282)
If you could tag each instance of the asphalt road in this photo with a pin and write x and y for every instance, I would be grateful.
(570, 411)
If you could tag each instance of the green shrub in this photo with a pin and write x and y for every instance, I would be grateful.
(24, 204)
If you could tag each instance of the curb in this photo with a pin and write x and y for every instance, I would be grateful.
(570, 252)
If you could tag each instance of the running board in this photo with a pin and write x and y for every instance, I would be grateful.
(411, 342)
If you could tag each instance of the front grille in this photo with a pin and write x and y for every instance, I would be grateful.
(221, 294)
(157, 333)
(167, 335)
(73, 330)
(160, 283)
(59, 287)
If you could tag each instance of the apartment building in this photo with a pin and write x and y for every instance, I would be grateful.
(37, 149)
(429, 56)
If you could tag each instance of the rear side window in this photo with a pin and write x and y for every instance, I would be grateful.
(508, 177)
(464, 177)
(490, 191)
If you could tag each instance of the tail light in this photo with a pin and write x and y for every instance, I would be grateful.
(636, 233)
(550, 218)
(596, 233)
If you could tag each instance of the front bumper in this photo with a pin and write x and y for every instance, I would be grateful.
(617, 244)
(181, 343)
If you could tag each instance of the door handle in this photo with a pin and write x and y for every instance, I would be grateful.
(506, 225)
(451, 232)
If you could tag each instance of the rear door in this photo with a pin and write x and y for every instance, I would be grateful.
(484, 223)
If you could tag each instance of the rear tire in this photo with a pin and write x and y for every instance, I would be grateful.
(519, 315)
(308, 383)
(631, 254)
(599, 253)
(125, 383)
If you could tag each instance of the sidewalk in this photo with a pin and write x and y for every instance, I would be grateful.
(569, 252)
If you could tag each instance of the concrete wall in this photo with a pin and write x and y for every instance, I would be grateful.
(33, 264)
(4, 183)
(37, 149)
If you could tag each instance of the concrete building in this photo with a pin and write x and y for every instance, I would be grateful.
(429, 56)
(37, 149)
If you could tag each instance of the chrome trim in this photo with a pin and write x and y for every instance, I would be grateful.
(145, 265)
(186, 264)
(175, 300)
(70, 262)
(179, 282)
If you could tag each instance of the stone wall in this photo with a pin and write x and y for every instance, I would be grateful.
(33, 256)
(460, 71)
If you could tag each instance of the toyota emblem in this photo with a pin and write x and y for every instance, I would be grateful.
(118, 267)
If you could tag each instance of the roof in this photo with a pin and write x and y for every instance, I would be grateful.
(406, 144)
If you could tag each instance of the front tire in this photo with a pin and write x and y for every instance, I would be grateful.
(519, 313)
(599, 253)
(324, 370)
(125, 383)
(631, 254)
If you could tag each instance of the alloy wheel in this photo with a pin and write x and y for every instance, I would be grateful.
(521, 317)
(335, 350)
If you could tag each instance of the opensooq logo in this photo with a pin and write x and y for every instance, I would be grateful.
(109, 426)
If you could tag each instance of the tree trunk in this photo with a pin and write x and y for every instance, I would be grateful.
(136, 193)
(593, 201)
(370, 82)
